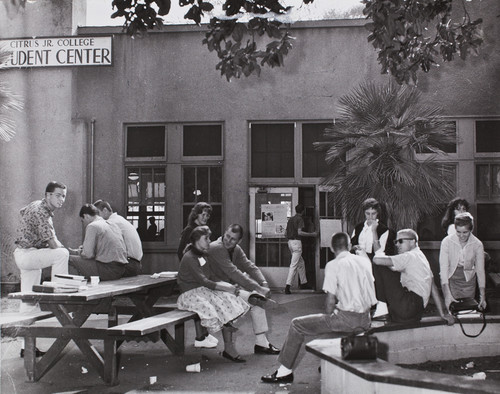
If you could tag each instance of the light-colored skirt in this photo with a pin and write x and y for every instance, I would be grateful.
(459, 287)
(214, 307)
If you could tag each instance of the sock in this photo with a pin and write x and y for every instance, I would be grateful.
(283, 371)
(261, 340)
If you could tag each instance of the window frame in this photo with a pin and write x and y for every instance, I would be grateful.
(483, 154)
(156, 159)
(192, 159)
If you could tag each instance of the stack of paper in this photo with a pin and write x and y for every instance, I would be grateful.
(76, 281)
(168, 274)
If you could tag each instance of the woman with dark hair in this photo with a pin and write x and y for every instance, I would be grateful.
(371, 235)
(455, 206)
(198, 216)
(216, 303)
(461, 262)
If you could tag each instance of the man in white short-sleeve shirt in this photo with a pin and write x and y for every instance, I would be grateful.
(350, 293)
(405, 281)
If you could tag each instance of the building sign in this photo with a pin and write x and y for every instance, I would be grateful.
(273, 220)
(57, 51)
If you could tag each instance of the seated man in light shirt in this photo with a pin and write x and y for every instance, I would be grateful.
(350, 292)
(129, 232)
(103, 252)
(405, 281)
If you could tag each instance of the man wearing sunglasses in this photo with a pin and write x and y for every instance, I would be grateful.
(405, 281)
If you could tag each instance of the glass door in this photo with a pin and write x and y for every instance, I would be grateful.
(270, 209)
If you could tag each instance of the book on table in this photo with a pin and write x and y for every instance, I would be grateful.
(71, 280)
(54, 289)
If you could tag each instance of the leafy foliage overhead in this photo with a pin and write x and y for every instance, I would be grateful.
(409, 35)
(373, 147)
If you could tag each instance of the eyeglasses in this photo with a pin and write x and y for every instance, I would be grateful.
(400, 240)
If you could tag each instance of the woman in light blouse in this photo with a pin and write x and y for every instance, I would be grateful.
(461, 262)
(371, 235)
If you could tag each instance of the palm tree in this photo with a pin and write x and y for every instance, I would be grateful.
(372, 149)
(8, 102)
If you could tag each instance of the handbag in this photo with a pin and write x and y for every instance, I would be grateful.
(467, 305)
(359, 347)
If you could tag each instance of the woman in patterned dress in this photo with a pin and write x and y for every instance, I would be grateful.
(216, 303)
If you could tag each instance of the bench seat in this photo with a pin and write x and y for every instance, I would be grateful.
(152, 324)
(13, 319)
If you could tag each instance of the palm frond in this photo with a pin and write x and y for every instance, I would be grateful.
(373, 149)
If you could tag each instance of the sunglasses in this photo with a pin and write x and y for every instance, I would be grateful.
(400, 240)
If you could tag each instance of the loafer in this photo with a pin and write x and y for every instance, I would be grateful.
(274, 379)
(236, 359)
(38, 353)
(266, 350)
(257, 300)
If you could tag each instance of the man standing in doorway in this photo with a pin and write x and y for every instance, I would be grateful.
(294, 233)
(130, 234)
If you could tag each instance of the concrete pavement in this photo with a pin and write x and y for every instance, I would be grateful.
(142, 360)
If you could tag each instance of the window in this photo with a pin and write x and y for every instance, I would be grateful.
(146, 202)
(145, 141)
(313, 161)
(202, 140)
(272, 150)
(429, 228)
(488, 181)
(487, 136)
(203, 183)
(488, 222)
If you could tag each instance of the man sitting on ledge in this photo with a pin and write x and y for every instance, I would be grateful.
(405, 281)
(350, 293)
(103, 252)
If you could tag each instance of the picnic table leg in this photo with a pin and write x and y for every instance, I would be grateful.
(110, 362)
(179, 338)
(29, 358)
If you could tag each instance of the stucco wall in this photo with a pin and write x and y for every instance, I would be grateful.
(50, 142)
(170, 77)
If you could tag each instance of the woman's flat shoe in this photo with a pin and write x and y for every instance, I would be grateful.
(236, 359)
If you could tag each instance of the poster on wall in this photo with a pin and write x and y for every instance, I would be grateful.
(327, 228)
(273, 220)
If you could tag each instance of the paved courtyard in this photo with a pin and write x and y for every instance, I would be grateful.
(140, 361)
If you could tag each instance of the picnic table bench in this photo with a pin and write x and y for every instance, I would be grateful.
(73, 309)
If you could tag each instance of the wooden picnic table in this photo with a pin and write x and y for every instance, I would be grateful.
(73, 309)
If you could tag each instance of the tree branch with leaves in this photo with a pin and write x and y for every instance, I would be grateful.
(409, 35)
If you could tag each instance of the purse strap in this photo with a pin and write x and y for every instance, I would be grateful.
(470, 335)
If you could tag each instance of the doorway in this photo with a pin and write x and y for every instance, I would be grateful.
(268, 244)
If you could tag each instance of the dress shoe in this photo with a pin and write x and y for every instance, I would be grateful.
(257, 300)
(287, 289)
(274, 379)
(236, 359)
(38, 353)
(266, 350)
